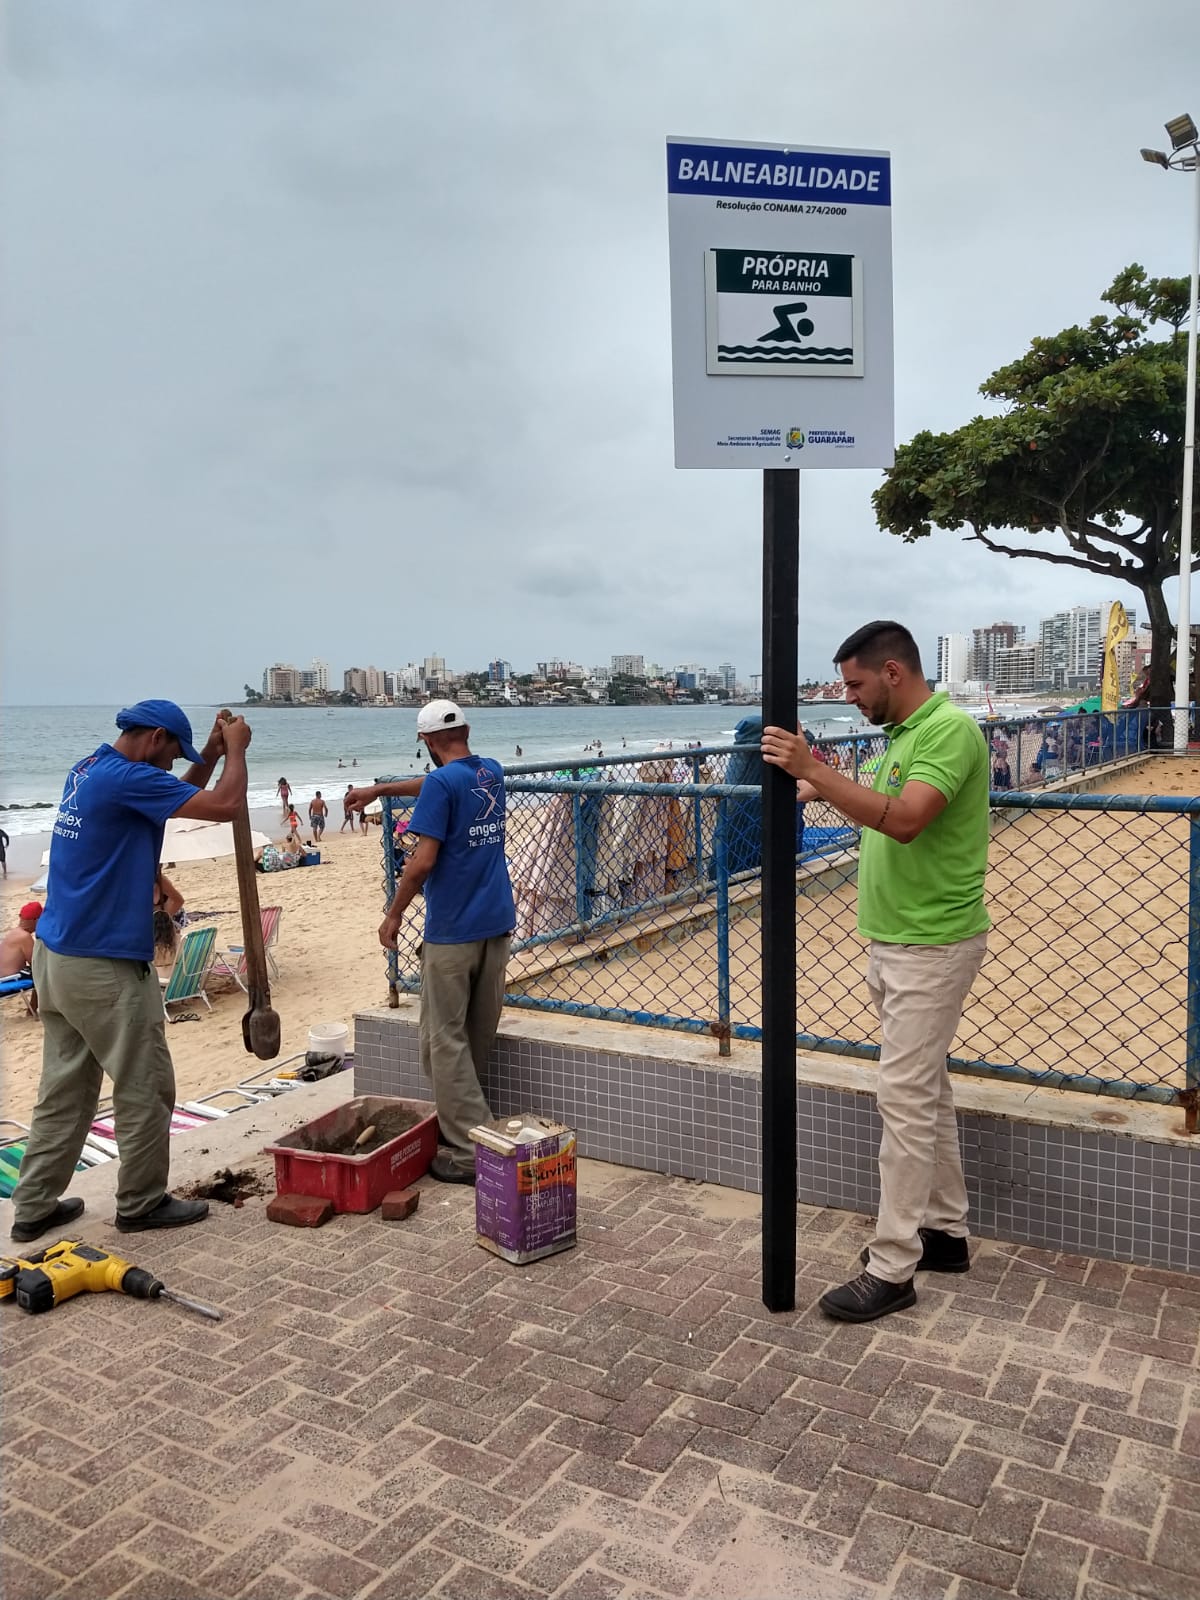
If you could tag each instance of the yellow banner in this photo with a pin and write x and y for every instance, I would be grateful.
(1118, 629)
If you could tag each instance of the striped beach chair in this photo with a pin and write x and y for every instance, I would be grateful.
(231, 963)
(191, 969)
(12, 1150)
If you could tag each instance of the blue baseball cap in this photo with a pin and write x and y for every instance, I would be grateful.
(163, 714)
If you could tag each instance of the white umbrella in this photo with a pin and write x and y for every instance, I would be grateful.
(189, 839)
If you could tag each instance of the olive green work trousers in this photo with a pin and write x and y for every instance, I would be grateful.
(462, 993)
(99, 1017)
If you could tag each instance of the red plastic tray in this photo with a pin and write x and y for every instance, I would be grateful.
(356, 1183)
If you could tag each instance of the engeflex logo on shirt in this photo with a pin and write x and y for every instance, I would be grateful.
(488, 826)
(69, 820)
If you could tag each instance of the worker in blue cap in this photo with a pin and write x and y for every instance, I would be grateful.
(93, 963)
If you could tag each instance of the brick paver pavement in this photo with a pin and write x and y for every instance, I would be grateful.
(390, 1412)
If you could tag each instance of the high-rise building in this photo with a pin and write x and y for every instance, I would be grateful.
(629, 666)
(1015, 669)
(434, 676)
(986, 642)
(1072, 643)
(320, 675)
(499, 671)
(728, 676)
(281, 682)
(354, 681)
(953, 658)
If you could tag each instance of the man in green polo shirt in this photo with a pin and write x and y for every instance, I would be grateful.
(921, 866)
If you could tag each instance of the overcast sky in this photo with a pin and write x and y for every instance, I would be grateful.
(342, 328)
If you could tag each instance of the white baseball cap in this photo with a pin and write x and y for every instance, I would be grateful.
(438, 716)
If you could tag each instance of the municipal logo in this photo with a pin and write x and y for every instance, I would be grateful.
(795, 439)
(893, 777)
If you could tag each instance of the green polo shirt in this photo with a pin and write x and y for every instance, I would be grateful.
(930, 891)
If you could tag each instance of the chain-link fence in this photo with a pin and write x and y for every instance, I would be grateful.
(638, 893)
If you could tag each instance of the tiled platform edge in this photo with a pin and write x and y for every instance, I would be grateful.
(1097, 1192)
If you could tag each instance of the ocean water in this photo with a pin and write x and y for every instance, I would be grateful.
(38, 744)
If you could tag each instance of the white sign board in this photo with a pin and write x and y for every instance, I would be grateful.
(781, 268)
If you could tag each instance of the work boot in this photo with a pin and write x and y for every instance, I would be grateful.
(866, 1297)
(446, 1170)
(168, 1213)
(940, 1252)
(65, 1211)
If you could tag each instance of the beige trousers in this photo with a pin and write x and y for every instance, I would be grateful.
(462, 993)
(918, 991)
(98, 1017)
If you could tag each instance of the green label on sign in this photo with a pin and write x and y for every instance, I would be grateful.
(763, 272)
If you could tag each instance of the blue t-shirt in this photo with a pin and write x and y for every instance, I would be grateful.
(104, 857)
(467, 895)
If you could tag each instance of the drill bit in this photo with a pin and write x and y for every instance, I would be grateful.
(189, 1305)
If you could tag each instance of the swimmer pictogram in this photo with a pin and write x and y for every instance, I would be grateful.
(789, 312)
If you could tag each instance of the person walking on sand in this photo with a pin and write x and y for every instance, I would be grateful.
(99, 997)
(5, 841)
(317, 812)
(348, 816)
(921, 867)
(460, 816)
(284, 790)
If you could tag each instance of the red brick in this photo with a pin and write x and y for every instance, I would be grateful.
(299, 1210)
(399, 1204)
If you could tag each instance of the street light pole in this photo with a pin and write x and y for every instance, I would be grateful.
(1185, 157)
(1184, 645)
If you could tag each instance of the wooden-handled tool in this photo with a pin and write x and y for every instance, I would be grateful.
(260, 1025)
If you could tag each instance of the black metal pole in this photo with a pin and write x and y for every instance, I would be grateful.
(781, 582)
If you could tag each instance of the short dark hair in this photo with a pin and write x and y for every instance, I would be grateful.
(877, 642)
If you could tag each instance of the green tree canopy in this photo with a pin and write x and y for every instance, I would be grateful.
(1088, 444)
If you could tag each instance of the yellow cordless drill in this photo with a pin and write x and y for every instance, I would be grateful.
(60, 1271)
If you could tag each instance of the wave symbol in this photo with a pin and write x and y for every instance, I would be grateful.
(773, 353)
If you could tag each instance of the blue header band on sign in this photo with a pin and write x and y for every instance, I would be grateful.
(776, 175)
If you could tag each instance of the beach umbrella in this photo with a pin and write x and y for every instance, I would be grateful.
(188, 839)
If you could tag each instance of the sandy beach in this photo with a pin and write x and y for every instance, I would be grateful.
(330, 966)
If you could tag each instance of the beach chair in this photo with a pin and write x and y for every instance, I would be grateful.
(12, 1149)
(197, 1113)
(231, 963)
(19, 984)
(191, 969)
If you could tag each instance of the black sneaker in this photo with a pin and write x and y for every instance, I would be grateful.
(940, 1252)
(446, 1170)
(65, 1211)
(168, 1213)
(865, 1298)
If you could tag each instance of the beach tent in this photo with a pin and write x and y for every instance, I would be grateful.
(1084, 707)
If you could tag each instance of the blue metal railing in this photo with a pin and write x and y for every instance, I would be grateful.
(596, 931)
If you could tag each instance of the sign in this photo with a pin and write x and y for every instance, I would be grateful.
(781, 269)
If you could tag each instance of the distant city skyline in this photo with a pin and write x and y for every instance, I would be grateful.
(1066, 654)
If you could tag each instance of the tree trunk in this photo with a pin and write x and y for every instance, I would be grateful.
(1162, 645)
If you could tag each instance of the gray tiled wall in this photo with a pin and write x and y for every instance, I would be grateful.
(1094, 1192)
